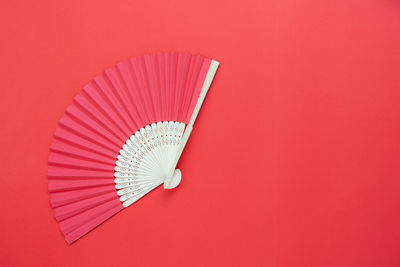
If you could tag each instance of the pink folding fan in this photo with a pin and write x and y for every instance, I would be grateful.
(122, 136)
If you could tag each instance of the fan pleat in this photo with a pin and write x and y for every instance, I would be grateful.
(122, 94)
(67, 211)
(197, 89)
(141, 88)
(84, 119)
(68, 173)
(67, 137)
(83, 102)
(173, 66)
(116, 101)
(79, 225)
(77, 130)
(184, 88)
(62, 198)
(111, 103)
(69, 149)
(190, 86)
(150, 79)
(57, 159)
(119, 137)
(59, 185)
(126, 74)
(181, 73)
(93, 91)
(159, 68)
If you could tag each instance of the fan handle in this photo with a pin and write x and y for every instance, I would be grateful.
(174, 180)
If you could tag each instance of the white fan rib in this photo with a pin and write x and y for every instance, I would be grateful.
(145, 159)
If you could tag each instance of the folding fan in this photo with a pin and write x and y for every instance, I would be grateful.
(122, 136)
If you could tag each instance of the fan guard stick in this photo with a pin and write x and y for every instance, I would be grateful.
(207, 82)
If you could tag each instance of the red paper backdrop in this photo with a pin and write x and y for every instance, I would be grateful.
(294, 159)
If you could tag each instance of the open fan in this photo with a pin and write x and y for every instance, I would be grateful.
(122, 136)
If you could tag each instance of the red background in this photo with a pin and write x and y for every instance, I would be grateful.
(293, 161)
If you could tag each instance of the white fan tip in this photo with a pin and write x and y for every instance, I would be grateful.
(214, 63)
